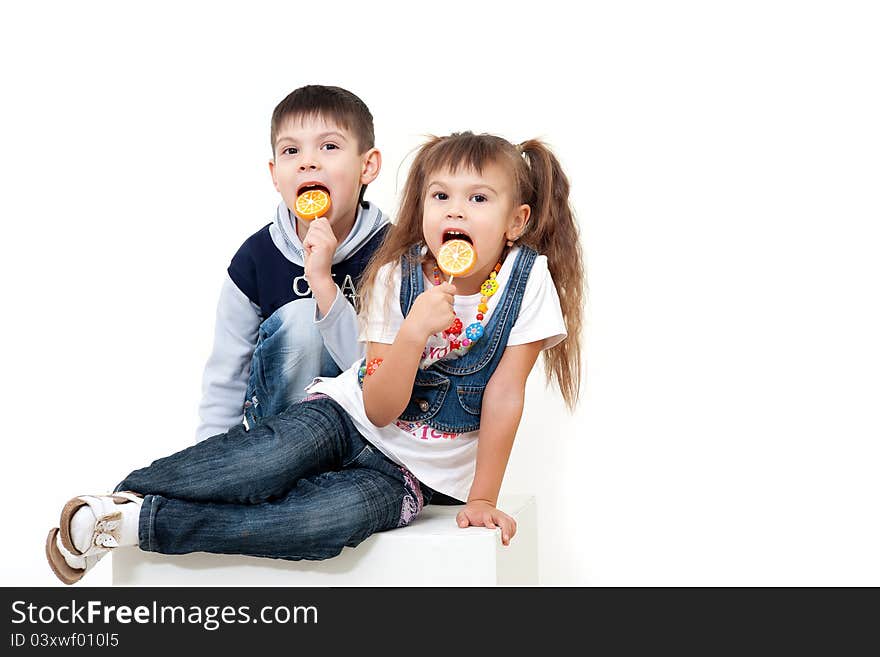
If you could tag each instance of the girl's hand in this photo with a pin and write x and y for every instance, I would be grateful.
(480, 513)
(432, 310)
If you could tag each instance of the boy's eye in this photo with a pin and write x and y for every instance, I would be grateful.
(290, 150)
(330, 147)
(440, 196)
(479, 198)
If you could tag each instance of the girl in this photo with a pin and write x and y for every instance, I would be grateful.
(446, 364)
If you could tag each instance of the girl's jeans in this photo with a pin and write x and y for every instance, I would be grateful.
(299, 485)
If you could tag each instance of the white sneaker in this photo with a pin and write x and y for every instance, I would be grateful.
(105, 528)
(90, 526)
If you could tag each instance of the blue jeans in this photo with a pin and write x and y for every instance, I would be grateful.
(299, 485)
(289, 354)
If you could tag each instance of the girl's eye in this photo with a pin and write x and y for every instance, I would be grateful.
(440, 196)
(479, 198)
(330, 147)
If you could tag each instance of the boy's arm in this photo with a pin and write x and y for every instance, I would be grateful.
(224, 383)
(319, 245)
(335, 318)
(339, 329)
(502, 407)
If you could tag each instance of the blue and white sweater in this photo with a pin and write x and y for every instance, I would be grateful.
(266, 273)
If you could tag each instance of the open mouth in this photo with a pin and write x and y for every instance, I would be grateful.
(310, 186)
(456, 235)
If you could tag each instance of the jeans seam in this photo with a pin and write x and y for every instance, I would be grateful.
(374, 520)
(151, 524)
(331, 410)
(359, 454)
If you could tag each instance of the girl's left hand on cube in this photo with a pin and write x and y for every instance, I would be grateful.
(479, 513)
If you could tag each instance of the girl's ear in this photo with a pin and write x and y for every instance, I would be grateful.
(371, 163)
(517, 225)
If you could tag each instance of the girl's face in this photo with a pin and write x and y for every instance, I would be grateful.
(480, 208)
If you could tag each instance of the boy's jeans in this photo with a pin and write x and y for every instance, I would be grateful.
(300, 485)
(290, 353)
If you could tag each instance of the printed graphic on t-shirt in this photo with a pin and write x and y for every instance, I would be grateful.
(424, 432)
(301, 287)
(437, 348)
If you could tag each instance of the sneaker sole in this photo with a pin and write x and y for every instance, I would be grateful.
(57, 563)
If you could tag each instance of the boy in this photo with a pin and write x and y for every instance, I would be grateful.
(285, 314)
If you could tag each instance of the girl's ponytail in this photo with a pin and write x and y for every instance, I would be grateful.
(553, 232)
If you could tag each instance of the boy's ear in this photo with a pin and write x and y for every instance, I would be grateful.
(518, 224)
(272, 172)
(371, 162)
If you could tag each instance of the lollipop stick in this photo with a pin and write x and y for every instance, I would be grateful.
(450, 279)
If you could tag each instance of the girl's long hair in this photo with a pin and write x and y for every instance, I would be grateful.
(552, 230)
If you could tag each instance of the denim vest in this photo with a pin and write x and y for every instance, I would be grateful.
(448, 395)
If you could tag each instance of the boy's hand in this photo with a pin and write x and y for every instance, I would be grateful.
(480, 513)
(319, 246)
(432, 310)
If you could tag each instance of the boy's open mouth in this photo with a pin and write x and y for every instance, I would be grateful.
(311, 185)
(456, 235)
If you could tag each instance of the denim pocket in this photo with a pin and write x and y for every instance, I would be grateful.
(471, 398)
(429, 391)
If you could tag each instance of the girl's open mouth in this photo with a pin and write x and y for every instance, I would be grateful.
(456, 235)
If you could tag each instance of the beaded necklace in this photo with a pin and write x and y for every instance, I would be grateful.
(474, 331)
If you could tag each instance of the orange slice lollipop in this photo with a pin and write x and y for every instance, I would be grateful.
(457, 257)
(312, 203)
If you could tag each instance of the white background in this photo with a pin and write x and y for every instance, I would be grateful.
(724, 166)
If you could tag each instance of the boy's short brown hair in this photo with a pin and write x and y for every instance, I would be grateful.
(334, 103)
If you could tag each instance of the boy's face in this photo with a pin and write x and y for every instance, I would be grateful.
(480, 208)
(314, 151)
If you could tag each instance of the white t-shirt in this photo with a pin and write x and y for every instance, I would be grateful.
(443, 461)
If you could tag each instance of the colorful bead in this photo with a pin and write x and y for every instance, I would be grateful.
(362, 370)
(456, 327)
(489, 288)
(474, 331)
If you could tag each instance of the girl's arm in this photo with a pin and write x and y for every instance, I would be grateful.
(387, 391)
(501, 412)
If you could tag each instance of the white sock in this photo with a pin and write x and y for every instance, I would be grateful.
(82, 525)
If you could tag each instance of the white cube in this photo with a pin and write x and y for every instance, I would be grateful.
(431, 551)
